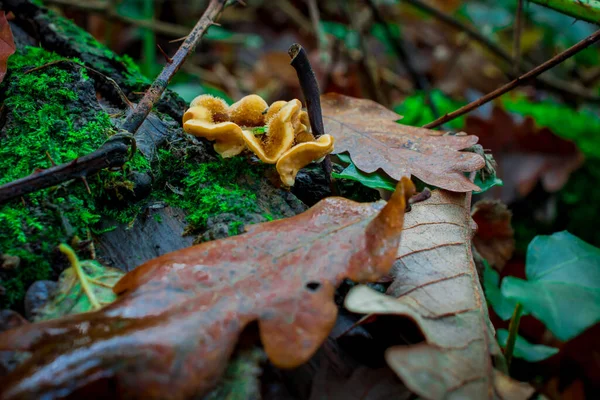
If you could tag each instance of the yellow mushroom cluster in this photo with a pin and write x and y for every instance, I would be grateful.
(286, 142)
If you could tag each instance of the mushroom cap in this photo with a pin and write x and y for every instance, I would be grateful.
(300, 156)
(274, 109)
(217, 107)
(227, 135)
(199, 120)
(279, 136)
(249, 111)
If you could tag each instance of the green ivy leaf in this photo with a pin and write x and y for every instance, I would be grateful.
(374, 180)
(380, 180)
(525, 350)
(501, 305)
(70, 297)
(487, 183)
(563, 284)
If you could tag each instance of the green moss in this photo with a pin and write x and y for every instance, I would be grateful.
(47, 122)
(208, 189)
(87, 44)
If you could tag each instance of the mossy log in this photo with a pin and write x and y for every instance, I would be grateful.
(59, 103)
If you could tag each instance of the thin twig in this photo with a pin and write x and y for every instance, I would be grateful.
(115, 151)
(315, 17)
(312, 96)
(371, 85)
(104, 8)
(135, 119)
(550, 83)
(519, 81)
(517, 37)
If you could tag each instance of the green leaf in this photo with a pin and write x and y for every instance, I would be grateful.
(580, 126)
(259, 130)
(375, 180)
(70, 297)
(525, 350)
(563, 284)
(241, 379)
(416, 112)
(487, 183)
(350, 37)
(501, 305)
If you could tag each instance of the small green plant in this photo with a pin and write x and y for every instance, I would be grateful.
(562, 290)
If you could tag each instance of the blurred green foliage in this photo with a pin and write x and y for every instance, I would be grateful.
(563, 284)
(526, 350)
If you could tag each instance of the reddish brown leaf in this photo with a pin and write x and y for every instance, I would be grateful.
(179, 316)
(7, 44)
(436, 285)
(494, 239)
(525, 154)
(368, 131)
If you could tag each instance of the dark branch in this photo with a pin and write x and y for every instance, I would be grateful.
(111, 154)
(312, 96)
(310, 87)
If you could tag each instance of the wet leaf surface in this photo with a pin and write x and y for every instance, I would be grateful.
(179, 316)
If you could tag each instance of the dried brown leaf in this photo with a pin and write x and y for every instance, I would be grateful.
(178, 317)
(7, 44)
(368, 131)
(494, 239)
(436, 285)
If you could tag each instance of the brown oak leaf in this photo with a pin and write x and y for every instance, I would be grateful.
(436, 285)
(368, 131)
(495, 238)
(7, 44)
(178, 317)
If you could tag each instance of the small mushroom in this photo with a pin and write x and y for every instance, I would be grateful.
(207, 118)
(300, 156)
(274, 109)
(217, 107)
(279, 136)
(249, 111)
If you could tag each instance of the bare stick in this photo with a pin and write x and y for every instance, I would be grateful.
(310, 87)
(111, 154)
(556, 85)
(135, 118)
(312, 96)
(517, 36)
(519, 81)
(114, 152)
